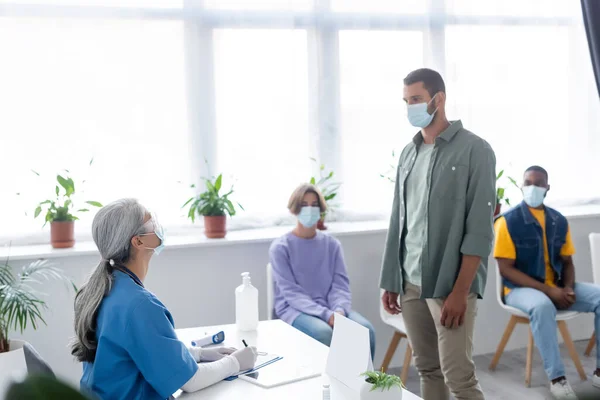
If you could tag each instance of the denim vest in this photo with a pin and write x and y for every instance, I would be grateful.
(526, 234)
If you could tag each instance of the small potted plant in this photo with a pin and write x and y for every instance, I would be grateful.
(380, 386)
(328, 188)
(21, 305)
(501, 193)
(214, 207)
(60, 213)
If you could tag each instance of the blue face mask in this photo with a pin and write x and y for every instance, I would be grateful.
(161, 235)
(309, 216)
(418, 115)
(534, 195)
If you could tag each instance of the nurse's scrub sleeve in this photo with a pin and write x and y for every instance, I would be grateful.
(163, 360)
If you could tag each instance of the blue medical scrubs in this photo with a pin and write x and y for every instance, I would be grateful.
(138, 354)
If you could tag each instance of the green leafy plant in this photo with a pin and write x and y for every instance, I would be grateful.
(61, 207)
(20, 304)
(211, 203)
(382, 381)
(501, 190)
(42, 387)
(327, 185)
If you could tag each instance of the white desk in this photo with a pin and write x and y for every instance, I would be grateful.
(275, 337)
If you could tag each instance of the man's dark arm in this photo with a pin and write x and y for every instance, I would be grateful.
(508, 271)
(560, 297)
(568, 272)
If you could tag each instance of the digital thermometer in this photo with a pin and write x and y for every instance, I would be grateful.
(217, 338)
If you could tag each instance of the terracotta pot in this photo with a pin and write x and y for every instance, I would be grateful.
(497, 210)
(321, 225)
(62, 234)
(13, 366)
(215, 227)
(394, 393)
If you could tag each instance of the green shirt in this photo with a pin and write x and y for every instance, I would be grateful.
(416, 215)
(461, 197)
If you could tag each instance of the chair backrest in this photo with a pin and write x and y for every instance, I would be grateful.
(595, 253)
(270, 293)
(499, 285)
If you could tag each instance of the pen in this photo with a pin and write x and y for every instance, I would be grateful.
(245, 344)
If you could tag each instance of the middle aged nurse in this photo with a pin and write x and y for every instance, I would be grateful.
(125, 336)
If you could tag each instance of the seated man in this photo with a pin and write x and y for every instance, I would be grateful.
(534, 248)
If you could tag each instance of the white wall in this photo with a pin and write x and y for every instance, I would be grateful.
(197, 285)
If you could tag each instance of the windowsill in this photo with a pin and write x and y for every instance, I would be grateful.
(261, 235)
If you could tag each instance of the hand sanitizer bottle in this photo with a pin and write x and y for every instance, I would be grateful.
(246, 305)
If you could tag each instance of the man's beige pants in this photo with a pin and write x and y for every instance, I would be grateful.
(442, 356)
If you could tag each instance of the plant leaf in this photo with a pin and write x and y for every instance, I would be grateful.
(63, 182)
(500, 174)
(218, 182)
(37, 212)
(312, 180)
(94, 203)
(188, 202)
(37, 173)
(83, 210)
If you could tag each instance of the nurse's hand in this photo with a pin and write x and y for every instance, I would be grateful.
(215, 353)
(246, 357)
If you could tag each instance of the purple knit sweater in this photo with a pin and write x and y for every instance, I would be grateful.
(310, 277)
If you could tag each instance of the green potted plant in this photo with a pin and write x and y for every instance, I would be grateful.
(381, 386)
(21, 305)
(60, 212)
(501, 193)
(214, 207)
(328, 187)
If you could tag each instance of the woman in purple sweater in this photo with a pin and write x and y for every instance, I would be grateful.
(311, 282)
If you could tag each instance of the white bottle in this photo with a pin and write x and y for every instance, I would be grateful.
(246, 305)
(326, 392)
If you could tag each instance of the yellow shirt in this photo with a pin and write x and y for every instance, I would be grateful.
(504, 246)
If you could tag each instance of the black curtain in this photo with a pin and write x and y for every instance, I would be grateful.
(591, 19)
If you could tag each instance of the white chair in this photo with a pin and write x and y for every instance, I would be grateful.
(519, 317)
(270, 293)
(595, 252)
(396, 322)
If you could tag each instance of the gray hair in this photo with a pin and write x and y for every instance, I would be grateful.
(113, 227)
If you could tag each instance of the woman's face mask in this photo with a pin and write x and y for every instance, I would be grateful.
(309, 216)
(153, 227)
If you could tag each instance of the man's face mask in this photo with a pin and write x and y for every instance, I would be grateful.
(418, 115)
(534, 195)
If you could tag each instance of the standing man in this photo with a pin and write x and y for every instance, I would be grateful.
(439, 239)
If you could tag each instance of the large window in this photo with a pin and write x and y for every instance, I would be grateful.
(151, 88)
(262, 129)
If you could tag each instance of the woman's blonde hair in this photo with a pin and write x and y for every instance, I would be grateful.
(295, 203)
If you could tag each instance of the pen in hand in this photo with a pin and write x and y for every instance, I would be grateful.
(245, 344)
